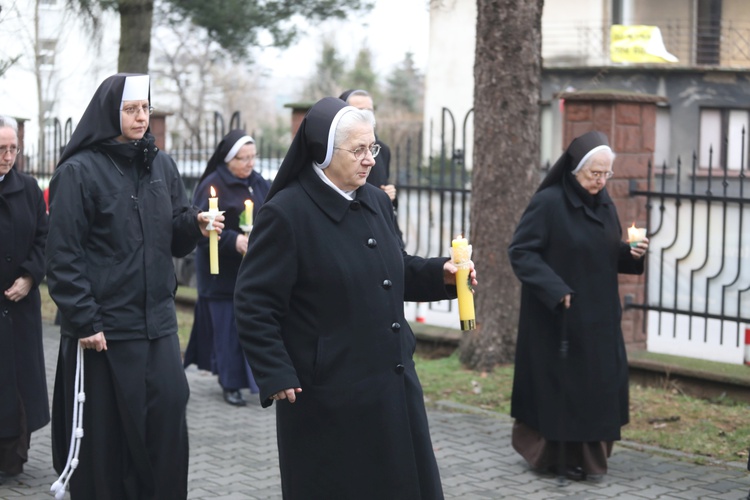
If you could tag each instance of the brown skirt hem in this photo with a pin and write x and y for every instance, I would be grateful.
(542, 454)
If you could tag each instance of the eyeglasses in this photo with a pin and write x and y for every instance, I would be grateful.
(360, 152)
(13, 150)
(598, 174)
(244, 159)
(135, 110)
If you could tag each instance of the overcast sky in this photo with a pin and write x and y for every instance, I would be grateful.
(390, 30)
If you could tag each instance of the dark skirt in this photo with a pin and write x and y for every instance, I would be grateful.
(215, 346)
(14, 451)
(542, 454)
(135, 442)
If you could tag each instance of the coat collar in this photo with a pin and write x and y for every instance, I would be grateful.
(330, 202)
(577, 202)
(12, 182)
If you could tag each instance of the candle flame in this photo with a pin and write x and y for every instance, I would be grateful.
(633, 226)
(213, 192)
(460, 236)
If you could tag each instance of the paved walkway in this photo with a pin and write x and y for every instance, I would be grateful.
(233, 457)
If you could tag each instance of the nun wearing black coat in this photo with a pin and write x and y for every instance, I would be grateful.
(320, 314)
(567, 251)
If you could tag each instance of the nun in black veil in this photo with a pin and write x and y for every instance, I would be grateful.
(320, 313)
(567, 252)
(118, 214)
(214, 345)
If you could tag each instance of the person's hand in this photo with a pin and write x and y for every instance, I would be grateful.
(565, 301)
(390, 190)
(19, 289)
(290, 394)
(96, 341)
(449, 273)
(241, 244)
(204, 218)
(640, 249)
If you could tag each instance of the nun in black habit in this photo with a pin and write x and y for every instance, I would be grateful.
(24, 406)
(320, 314)
(118, 214)
(567, 251)
(214, 345)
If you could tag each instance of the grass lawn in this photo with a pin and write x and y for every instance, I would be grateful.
(662, 417)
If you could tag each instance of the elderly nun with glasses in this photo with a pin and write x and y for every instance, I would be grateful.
(214, 345)
(24, 407)
(570, 388)
(320, 313)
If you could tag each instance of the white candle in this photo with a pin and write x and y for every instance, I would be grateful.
(213, 236)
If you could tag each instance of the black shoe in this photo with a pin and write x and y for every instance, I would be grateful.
(234, 398)
(572, 473)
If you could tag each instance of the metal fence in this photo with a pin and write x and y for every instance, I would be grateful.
(725, 43)
(434, 186)
(698, 276)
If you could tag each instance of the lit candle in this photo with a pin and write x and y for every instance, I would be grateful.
(213, 236)
(461, 254)
(636, 235)
(248, 213)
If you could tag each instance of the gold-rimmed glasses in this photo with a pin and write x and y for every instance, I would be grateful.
(361, 151)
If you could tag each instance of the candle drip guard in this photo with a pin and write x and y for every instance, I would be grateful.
(212, 214)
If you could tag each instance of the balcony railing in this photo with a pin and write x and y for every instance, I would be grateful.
(718, 45)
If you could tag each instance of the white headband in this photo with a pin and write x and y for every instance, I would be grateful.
(331, 133)
(135, 89)
(589, 155)
(237, 145)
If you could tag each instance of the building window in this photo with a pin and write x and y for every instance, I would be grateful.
(708, 32)
(724, 138)
(47, 50)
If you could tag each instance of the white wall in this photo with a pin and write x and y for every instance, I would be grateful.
(449, 79)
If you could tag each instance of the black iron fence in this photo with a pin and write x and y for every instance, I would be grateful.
(698, 276)
(434, 186)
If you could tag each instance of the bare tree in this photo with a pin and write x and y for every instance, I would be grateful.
(200, 78)
(507, 85)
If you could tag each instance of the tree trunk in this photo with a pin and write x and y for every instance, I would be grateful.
(507, 83)
(136, 17)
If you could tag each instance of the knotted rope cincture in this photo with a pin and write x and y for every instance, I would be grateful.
(79, 397)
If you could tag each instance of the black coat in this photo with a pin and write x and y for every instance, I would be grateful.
(111, 243)
(320, 305)
(23, 226)
(562, 245)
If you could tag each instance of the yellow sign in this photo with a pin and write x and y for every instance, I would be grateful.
(638, 44)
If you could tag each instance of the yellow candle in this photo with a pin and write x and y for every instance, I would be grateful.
(213, 236)
(461, 253)
(249, 212)
(636, 235)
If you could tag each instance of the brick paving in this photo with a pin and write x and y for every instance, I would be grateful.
(233, 457)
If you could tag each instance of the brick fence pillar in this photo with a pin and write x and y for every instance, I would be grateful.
(629, 120)
(299, 110)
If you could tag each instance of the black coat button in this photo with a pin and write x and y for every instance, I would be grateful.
(355, 205)
(396, 327)
(372, 243)
(8, 258)
(387, 284)
(399, 368)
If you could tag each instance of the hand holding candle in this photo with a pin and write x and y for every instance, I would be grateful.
(461, 256)
(636, 235)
